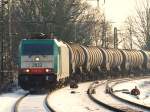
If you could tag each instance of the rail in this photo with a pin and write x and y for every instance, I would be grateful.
(117, 108)
(127, 101)
(18, 101)
(47, 105)
(100, 102)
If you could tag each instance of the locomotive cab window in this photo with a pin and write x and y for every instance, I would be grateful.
(37, 49)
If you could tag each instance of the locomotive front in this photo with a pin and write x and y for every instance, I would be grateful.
(37, 66)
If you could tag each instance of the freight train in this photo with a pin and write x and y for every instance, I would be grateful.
(45, 62)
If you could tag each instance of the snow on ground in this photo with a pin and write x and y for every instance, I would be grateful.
(108, 99)
(33, 103)
(144, 87)
(65, 101)
(8, 100)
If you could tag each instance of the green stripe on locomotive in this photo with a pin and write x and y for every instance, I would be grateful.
(52, 42)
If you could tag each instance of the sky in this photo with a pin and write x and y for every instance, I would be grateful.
(117, 10)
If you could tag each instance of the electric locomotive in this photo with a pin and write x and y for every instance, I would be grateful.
(41, 62)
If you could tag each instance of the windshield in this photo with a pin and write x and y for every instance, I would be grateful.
(37, 49)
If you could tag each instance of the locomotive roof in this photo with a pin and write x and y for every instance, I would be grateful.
(41, 36)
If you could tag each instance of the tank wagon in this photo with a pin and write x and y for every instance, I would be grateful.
(133, 59)
(146, 56)
(45, 62)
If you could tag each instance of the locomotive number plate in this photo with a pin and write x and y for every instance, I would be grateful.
(36, 64)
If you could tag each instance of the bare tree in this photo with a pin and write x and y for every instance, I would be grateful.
(128, 33)
(139, 26)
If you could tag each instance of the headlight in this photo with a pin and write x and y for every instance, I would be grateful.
(47, 70)
(37, 59)
(27, 70)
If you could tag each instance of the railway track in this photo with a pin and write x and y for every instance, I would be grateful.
(46, 102)
(46, 98)
(32, 103)
(111, 102)
(27, 102)
(74, 100)
(127, 101)
(18, 101)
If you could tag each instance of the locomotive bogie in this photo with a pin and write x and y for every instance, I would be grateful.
(35, 81)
